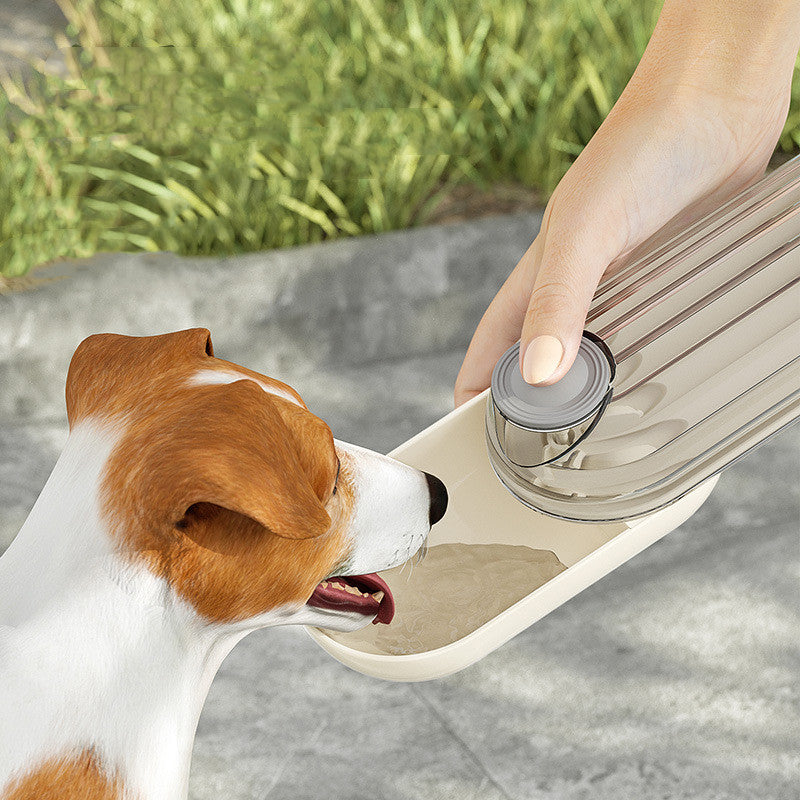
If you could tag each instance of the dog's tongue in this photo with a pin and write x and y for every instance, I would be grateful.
(328, 596)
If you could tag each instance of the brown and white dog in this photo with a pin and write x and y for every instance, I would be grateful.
(195, 501)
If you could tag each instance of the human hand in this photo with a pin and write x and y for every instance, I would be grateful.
(694, 126)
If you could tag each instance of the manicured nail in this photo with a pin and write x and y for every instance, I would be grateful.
(541, 359)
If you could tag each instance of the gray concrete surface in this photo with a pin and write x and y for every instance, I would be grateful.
(673, 677)
(27, 28)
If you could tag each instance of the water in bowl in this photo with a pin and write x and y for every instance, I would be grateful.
(454, 590)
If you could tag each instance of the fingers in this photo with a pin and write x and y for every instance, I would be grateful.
(495, 333)
(544, 301)
(499, 327)
(579, 246)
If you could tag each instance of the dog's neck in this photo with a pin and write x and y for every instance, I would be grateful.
(94, 652)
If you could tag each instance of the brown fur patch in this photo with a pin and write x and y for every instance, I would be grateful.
(67, 778)
(223, 490)
(108, 372)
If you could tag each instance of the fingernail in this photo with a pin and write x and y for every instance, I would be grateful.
(541, 359)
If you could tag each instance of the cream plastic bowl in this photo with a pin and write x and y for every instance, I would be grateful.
(482, 511)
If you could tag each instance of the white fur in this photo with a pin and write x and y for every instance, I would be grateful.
(392, 510)
(207, 377)
(95, 652)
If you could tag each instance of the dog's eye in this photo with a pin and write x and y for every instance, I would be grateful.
(336, 480)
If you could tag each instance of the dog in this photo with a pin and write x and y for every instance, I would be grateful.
(194, 502)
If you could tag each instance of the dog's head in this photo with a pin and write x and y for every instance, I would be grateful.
(223, 484)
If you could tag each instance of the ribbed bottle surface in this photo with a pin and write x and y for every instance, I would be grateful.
(703, 326)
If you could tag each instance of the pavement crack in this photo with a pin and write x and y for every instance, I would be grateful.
(289, 756)
(446, 725)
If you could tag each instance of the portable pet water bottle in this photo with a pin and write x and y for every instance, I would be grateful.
(691, 359)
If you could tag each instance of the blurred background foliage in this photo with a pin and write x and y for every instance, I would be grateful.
(223, 126)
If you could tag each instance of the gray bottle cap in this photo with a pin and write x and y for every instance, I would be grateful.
(561, 405)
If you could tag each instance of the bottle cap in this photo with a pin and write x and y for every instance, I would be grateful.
(562, 405)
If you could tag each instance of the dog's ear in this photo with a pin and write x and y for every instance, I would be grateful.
(313, 445)
(226, 445)
(108, 370)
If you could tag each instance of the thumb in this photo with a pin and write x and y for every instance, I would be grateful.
(573, 261)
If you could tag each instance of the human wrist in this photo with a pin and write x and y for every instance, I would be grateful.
(728, 49)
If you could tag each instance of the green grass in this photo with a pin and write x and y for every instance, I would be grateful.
(223, 126)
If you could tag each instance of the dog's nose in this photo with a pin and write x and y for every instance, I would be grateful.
(438, 498)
